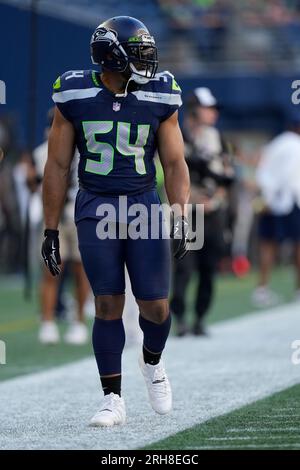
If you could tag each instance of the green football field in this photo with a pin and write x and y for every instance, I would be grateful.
(19, 320)
(271, 422)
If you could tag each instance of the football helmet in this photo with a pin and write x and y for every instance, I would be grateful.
(124, 44)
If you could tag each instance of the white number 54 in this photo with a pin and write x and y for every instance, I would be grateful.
(106, 151)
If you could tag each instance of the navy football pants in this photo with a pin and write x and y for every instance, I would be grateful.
(147, 260)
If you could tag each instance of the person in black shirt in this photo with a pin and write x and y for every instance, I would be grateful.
(211, 173)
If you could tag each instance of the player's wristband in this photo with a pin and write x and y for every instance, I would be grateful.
(51, 233)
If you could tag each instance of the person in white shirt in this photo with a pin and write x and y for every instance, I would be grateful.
(278, 178)
(77, 333)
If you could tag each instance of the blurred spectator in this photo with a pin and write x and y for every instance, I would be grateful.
(246, 192)
(77, 332)
(278, 178)
(261, 33)
(10, 213)
(211, 175)
(204, 21)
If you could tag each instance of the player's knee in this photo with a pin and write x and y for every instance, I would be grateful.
(156, 311)
(109, 307)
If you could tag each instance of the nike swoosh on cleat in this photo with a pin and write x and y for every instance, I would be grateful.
(158, 381)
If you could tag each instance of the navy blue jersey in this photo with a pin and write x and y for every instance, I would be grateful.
(115, 135)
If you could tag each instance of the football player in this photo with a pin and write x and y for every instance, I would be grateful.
(118, 118)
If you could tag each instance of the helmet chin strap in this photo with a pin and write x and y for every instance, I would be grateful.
(123, 95)
(134, 77)
(138, 78)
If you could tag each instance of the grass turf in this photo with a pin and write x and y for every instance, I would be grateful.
(271, 423)
(19, 321)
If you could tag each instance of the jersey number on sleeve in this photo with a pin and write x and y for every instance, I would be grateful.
(106, 151)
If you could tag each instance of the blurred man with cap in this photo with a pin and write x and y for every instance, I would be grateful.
(278, 178)
(211, 174)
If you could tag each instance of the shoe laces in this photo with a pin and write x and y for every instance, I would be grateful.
(159, 380)
(109, 402)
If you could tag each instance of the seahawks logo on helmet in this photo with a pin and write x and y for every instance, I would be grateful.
(99, 32)
(103, 34)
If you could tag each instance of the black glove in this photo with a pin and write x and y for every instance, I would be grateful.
(180, 235)
(50, 251)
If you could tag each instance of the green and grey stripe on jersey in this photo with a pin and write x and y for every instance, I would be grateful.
(79, 94)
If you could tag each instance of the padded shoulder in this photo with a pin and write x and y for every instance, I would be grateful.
(75, 84)
(162, 89)
(166, 83)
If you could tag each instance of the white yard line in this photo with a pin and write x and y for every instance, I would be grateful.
(243, 438)
(258, 429)
(246, 446)
(244, 360)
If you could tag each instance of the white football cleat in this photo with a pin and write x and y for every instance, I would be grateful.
(77, 334)
(111, 413)
(48, 333)
(158, 385)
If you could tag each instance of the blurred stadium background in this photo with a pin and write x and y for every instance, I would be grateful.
(248, 54)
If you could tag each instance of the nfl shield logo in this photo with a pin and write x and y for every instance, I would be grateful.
(116, 106)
